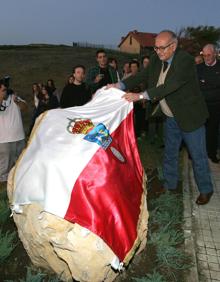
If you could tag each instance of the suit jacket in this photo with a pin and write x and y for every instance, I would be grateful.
(180, 89)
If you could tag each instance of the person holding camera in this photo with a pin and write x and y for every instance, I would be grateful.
(102, 74)
(12, 137)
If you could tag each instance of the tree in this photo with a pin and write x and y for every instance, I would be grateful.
(194, 38)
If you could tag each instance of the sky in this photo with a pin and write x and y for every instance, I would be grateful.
(98, 21)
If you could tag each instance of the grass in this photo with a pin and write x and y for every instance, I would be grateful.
(4, 211)
(166, 211)
(33, 275)
(4, 208)
(171, 258)
(154, 277)
(7, 245)
(166, 234)
(7, 239)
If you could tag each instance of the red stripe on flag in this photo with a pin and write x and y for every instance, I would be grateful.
(106, 197)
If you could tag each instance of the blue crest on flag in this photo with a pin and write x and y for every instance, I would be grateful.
(100, 135)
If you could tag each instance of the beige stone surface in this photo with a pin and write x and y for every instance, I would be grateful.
(65, 248)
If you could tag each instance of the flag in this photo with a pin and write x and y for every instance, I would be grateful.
(82, 164)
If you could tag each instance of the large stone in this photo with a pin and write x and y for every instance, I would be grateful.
(65, 248)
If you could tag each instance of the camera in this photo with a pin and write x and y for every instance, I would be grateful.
(6, 80)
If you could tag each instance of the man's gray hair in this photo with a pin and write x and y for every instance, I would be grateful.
(210, 46)
(171, 33)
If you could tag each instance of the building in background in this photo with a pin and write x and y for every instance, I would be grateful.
(137, 42)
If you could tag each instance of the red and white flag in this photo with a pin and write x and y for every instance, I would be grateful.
(82, 164)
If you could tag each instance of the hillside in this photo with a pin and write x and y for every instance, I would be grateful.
(28, 64)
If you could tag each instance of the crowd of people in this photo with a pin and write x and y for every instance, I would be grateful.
(185, 90)
(81, 85)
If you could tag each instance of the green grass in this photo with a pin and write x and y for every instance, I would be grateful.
(166, 216)
(7, 245)
(154, 277)
(167, 209)
(166, 237)
(4, 211)
(33, 277)
(36, 275)
(7, 239)
(171, 258)
(3, 192)
(151, 155)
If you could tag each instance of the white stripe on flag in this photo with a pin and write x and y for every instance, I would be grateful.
(55, 158)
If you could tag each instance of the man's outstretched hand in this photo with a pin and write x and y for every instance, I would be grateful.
(131, 97)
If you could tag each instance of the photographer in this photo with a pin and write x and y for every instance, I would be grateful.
(11, 129)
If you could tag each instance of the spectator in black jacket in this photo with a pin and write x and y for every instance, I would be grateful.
(78, 93)
(209, 78)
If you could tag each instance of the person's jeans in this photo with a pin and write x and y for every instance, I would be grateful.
(9, 152)
(196, 144)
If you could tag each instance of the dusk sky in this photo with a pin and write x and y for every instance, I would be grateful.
(96, 21)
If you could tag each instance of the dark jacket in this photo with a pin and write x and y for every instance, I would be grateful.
(209, 79)
(181, 89)
(93, 72)
(75, 95)
(45, 105)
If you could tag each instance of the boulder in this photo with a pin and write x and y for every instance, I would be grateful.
(67, 249)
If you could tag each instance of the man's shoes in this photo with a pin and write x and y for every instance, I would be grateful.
(204, 198)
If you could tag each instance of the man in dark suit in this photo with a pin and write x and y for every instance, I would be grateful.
(172, 81)
(209, 79)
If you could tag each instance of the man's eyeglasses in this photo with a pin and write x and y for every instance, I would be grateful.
(162, 48)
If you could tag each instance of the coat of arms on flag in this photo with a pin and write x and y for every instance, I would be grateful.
(98, 134)
(82, 164)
